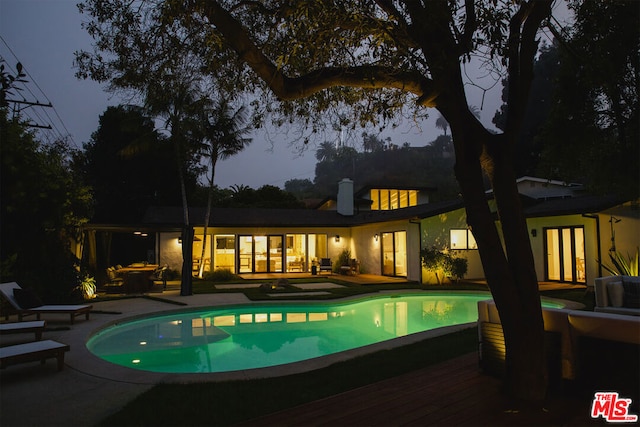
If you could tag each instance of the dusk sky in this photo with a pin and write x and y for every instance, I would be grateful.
(44, 34)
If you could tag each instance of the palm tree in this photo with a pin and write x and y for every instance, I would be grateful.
(224, 131)
(475, 111)
(175, 101)
(326, 151)
(441, 123)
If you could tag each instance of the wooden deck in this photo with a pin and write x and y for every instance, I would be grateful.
(455, 392)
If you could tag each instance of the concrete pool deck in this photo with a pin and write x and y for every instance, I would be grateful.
(89, 389)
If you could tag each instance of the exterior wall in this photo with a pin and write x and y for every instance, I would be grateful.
(169, 250)
(436, 233)
(590, 241)
(367, 250)
(541, 188)
(626, 230)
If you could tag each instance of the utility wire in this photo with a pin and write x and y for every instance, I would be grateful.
(39, 111)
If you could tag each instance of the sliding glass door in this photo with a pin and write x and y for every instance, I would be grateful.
(260, 254)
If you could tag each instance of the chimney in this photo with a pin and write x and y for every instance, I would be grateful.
(345, 197)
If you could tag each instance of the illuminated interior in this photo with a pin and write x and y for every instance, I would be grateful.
(461, 239)
(394, 253)
(565, 254)
(267, 254)
(383, 199)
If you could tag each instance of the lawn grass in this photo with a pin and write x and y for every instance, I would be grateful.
(226, 403)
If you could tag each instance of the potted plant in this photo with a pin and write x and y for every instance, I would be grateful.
(87, 287)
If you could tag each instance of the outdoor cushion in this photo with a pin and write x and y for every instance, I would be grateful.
(631, 293)
(616, 293)
(26, 298)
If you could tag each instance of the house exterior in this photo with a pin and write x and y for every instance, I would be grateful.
(569, 233)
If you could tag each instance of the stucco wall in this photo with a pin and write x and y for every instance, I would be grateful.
(169, 250)
(590, 241)
(436, 233)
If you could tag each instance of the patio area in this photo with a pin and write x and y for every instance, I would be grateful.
(452, 393)
(88, 389)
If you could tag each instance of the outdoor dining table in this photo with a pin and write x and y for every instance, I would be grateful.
(137, 277)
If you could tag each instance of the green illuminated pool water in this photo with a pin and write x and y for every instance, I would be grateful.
(257, 336)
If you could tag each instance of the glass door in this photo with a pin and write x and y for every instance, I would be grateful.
(260, 254)
(275, 254)
(565, 254)
(245, 254)
(224, 252)
(394, 253)
(296, 255)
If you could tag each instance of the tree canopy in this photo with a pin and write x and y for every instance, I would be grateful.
(42, 203)
(344, 63)
(592, 135)
(130, 166)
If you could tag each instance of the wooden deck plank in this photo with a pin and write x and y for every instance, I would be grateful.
(455, 392)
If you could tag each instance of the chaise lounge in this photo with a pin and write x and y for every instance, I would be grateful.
(32, 351)
(30, 305)
(37, 327)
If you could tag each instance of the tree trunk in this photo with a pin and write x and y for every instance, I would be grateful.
(207, 214)
(186, 282)
(509, 269)
(186, 287)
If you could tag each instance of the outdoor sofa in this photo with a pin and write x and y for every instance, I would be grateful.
(618, 294)
(574, 332)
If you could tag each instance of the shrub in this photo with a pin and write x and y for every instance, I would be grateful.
(220, 275)
(436, 261)
(343, 259)
(622, 266)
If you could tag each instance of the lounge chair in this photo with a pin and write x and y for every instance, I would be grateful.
(8, 291)
(32, 351)
(36, 326)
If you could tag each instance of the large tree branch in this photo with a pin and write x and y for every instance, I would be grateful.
(289, 88)
(522, 48)
(470, 25)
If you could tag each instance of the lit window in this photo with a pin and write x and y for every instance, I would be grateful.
(375, 200)
(393, 199)
(404, 199)
(384, 200)
(462, 238)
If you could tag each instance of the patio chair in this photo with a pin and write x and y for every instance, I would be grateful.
(160, 275)
(27, 303)
(354, 266)
(114, 282)
(326, 265)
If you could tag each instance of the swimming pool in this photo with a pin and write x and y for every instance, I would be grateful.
(262, 335)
